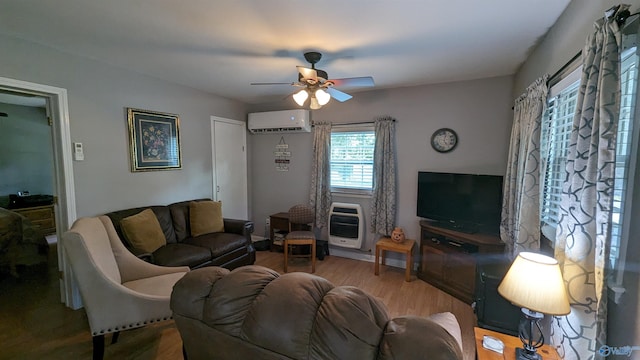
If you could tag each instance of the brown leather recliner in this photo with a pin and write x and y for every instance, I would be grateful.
(254, 313)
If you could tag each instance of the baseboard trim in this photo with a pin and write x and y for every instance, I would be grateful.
(255, 238)
(365, 256)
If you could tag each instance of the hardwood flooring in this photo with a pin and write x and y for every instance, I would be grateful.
(35, 325)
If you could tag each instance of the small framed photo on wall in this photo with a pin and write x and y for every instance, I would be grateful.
(154, 140)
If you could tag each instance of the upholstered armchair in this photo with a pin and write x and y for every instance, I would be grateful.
(119, 291)
(300, 215)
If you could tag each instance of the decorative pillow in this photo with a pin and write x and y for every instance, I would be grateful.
(205, 217)
(143, 231)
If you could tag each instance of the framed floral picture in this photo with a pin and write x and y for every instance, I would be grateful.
(154, 140)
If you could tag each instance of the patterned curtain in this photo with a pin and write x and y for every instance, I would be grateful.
(584, 232)
(383, 203)
(320, 193)
(520, 224)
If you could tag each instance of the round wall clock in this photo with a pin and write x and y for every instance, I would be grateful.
(444, 140)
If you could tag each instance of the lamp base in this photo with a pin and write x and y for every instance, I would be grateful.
(521, 354)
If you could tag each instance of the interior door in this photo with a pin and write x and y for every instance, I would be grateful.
(229, 150)
(58, 106)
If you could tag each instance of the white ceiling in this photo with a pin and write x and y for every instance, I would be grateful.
(222, 46)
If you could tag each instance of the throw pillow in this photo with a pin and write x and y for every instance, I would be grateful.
(205, 217)
(143, 231)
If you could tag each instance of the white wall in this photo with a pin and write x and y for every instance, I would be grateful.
(98, 95)
(565, 39)
(479, 111)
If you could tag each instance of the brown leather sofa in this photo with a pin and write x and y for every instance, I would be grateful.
(229, 249)
(254, 313)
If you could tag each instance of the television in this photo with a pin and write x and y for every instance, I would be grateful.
(464, 202)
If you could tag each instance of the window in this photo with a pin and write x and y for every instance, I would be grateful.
(556, 131)
(352, 158)
(622, 187)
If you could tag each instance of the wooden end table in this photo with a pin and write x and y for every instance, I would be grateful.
(405, 247)
(278, 222)
(547, 352)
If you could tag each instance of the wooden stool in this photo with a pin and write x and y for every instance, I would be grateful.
(405, 247)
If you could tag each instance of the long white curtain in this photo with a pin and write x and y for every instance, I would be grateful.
(583, 236)
(320, 192)
(383, 203)
(520, 223)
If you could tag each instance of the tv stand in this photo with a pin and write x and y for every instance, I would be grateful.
(465, 228)
(448, 258)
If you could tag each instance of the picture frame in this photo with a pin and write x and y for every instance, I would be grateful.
(154, 140)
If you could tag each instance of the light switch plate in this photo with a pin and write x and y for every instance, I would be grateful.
(78, 151)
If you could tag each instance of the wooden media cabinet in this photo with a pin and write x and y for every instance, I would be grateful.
(449, 258)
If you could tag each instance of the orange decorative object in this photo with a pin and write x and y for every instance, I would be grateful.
(397, 235)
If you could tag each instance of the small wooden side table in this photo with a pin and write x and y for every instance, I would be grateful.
(547, 352)
(278, 222)
(405, 247)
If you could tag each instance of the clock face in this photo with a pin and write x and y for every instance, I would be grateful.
(444, 140)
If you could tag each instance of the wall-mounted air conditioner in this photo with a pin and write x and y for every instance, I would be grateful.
(279, 121)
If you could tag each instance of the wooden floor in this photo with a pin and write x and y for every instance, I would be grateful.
(35, 325)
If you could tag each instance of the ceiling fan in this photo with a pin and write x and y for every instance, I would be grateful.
(317, 85)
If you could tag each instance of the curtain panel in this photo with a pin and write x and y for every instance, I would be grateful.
(583, 235)
(320, 192)
(520, 220)
(383, 203)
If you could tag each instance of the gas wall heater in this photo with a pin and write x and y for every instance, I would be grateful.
(346, 225)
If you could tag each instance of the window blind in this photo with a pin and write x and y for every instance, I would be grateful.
(352, 159)
(556, 133)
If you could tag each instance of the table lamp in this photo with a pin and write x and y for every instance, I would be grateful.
(534, 282)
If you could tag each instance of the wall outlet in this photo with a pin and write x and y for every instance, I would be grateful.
(267, 222)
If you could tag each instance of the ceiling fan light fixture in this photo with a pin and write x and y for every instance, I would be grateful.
(322, 96)
(300, 97)
(315, 84)
(314, 104)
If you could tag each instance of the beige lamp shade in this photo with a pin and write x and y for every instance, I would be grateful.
(535, 282)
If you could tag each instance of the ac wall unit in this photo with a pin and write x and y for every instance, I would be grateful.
(279, 121)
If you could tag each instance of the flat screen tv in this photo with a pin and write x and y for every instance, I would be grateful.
(464, 202)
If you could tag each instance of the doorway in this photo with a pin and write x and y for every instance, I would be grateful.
(26, 173)
(229, 157)
(26, 156)
(65, 207)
